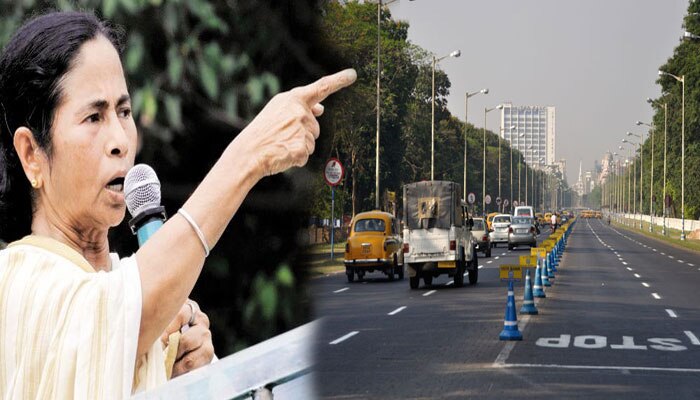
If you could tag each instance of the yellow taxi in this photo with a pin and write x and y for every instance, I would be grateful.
(489, 219)
(547, 218)
(374, 244)
(540, 218)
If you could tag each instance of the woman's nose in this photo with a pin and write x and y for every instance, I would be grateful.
(118, 144)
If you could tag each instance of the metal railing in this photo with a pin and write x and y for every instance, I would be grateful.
(282, 364)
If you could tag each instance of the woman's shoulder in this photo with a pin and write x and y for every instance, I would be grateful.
(38, 250)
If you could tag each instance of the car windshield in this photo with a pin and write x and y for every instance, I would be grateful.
(524, 212)
(370, 225)
(478, 225)
(521, 221)
(501, 219)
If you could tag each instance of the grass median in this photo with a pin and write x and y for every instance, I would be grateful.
(318, 259)
(672, 236)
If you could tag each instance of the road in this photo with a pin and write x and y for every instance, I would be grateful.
(621, 321)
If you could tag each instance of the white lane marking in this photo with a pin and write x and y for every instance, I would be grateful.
(693, 339)
(496, 258)
(398, 310)
(656, 296)
(624, 263)
(637, 276)
(681, 261)
(341, 290)
(428, 293)
(629, 269)
(645, 284)
(449, 283)
(344, 338)
(654, 249)
(671, 313)
(480, 267)
(692, 265)
(671, 257)
(595, 367)
(489, 262)
(503, 254)
(663, 254)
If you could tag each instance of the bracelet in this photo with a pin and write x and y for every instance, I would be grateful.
(198, 231)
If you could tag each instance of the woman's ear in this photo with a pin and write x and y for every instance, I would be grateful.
(30, 155)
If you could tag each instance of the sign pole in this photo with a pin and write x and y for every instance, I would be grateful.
(332, 222)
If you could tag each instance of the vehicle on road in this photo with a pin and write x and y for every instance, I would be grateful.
(437, 238)
(374, 244)
(524, 211)
(489, 220)
(547, 218)
(481, 236)
(522, 232)
(499, 233)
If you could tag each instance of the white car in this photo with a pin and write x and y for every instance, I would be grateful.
(499, 234)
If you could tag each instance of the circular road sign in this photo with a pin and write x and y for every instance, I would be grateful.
(333, 172)
(487, 199)
(505, 203)
(498, 201)
(515, 203)
(471, 198)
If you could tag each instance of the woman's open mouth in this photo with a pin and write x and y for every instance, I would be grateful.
(116, 185)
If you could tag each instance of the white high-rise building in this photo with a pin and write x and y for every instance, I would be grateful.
(537, 124)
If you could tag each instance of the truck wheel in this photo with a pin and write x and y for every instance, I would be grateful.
(428, 280)
(351, 275)
(360, 275)
(414, 281)
(473, 276)
(398, 269)
(459, 273)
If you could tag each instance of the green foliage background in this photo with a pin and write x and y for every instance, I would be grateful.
(198, 71)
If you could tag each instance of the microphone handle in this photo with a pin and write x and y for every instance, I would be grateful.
(148, 228)
(146, 223)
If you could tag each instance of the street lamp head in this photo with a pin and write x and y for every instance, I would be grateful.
(521, 135)
(661, 73)
(630, 133)
(639, 123)
(456, 53)
(499, 107)
(625, 141)
(512, 127)
(650, 100)
(620, 147)
(485, 91)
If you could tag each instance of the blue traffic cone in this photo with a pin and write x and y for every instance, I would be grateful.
(545, 274)
(552, 263)
(528, 300)
(510, 324)
(538, 290)
(550, 270)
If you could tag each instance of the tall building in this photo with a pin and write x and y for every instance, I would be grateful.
(537, 124)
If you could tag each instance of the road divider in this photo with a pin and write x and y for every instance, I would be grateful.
(510, 324)
(529, 306)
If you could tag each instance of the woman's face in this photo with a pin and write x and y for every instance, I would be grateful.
(94, 142)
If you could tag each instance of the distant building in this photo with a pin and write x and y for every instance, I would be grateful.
(537, 124)
(606, 168)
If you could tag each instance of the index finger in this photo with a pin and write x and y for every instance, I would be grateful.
(316, 92)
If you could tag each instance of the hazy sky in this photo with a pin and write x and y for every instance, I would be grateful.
(595, 60)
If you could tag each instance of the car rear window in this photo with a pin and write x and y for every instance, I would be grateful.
(370, 225)
(521, 221)
(501, 219)
(478, 225)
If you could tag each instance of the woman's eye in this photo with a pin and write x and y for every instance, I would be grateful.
(93, 118)
(125, 113)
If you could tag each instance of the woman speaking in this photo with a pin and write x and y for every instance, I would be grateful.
(76, 321)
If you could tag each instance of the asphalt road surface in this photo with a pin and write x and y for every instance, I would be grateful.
(621, 321)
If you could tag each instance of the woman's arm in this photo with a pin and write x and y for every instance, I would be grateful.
(282, 136)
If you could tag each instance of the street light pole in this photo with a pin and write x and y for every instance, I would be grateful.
(641, 176)
(651, 179)
(483, 172)
(467, 95)
(681, 79)
(455, 54)
(511, 171)
(499, 156)
(663, 201)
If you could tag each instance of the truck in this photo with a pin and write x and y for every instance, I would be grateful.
(437, 236)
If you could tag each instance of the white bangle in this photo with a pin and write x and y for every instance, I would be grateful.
(198, 231)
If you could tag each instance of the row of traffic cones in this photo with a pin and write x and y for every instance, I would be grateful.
(544, 276)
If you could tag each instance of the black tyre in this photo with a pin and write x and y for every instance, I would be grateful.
(473, 275)
(459, 273)
(360, 275)
(414, 281)
(351, 275)
(510, 247)
(399, 271)
(428, 280)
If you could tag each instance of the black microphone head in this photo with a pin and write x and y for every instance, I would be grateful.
(141, 189)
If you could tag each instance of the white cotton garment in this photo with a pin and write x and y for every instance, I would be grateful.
(68, 332)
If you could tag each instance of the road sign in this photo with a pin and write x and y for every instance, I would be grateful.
(515, 203)
(471, 198)
(508, 272)
(487, 199)
(498, 201)
(528, 261)
(505, 203)
(333, 172)
(538, 251)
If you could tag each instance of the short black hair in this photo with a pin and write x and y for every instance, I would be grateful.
(32, 65)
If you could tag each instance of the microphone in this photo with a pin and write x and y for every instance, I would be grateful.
(142, 196)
